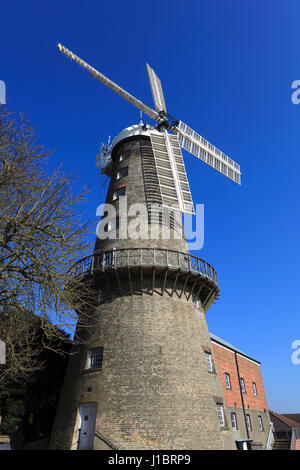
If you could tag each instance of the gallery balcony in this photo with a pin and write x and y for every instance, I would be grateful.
(195, 276)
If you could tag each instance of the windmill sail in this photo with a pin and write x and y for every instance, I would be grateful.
(156, 89)
(188, 139)
(109, 83)
(208, 153)
(173, 183)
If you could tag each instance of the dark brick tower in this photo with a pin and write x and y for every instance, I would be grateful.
(144, 371)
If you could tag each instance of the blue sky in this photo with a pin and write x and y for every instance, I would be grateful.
(226, 68)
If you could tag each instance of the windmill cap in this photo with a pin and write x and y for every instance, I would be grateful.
(132, 131)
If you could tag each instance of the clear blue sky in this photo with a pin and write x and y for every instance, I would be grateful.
(226, 69)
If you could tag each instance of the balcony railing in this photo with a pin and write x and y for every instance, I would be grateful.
(145, 258)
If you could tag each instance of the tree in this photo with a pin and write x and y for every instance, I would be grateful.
(28, 413)
(41, 237)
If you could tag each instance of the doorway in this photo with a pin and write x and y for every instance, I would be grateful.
(87, 424)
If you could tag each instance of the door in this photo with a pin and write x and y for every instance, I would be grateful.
(87, 424)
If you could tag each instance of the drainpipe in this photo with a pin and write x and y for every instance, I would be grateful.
(242, 398)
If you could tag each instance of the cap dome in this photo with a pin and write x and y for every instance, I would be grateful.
(132, 131)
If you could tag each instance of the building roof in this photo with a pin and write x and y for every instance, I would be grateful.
(224, 343)
(132, 131)
(282, 422)
(292, 416)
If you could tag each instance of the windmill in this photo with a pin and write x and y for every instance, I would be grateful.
(154, 390)
(173, 182)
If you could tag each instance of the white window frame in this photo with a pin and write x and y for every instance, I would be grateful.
(242, 385)
(254, 389)
(260, 423)
(221, 414)
(227, 381)
(248, 422)
(233, 421)
(208, 360)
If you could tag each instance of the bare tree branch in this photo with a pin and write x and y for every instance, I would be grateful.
(41, 236)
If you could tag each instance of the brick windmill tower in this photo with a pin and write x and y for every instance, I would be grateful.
(142, 381)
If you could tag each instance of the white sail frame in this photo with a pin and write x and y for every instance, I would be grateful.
(156, 89)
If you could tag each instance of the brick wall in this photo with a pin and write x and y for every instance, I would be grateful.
(254, 406)
(226, 363)
(249, 371)
(297, 444)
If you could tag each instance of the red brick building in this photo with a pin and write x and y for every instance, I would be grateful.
(245, 406)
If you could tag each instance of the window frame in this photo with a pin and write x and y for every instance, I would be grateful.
(209, 362)
(117, 193)
(242, 385)
(254, 388)
(248, 422)
(119, 176)
(226, 375)
(124, 155)
(221, 415)
(260, 423)
(99, 362)
(234, 421)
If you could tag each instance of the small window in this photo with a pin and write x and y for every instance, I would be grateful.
(248, 422)
(196, 302)
(95, 358)
(123, 172)
(221, 414)
(208, 360)
(104, 295)
(254, 389)
(242, 382)
(227, 381)
(260, 423)
(119, 192)
(124, 155)
(234, 422)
